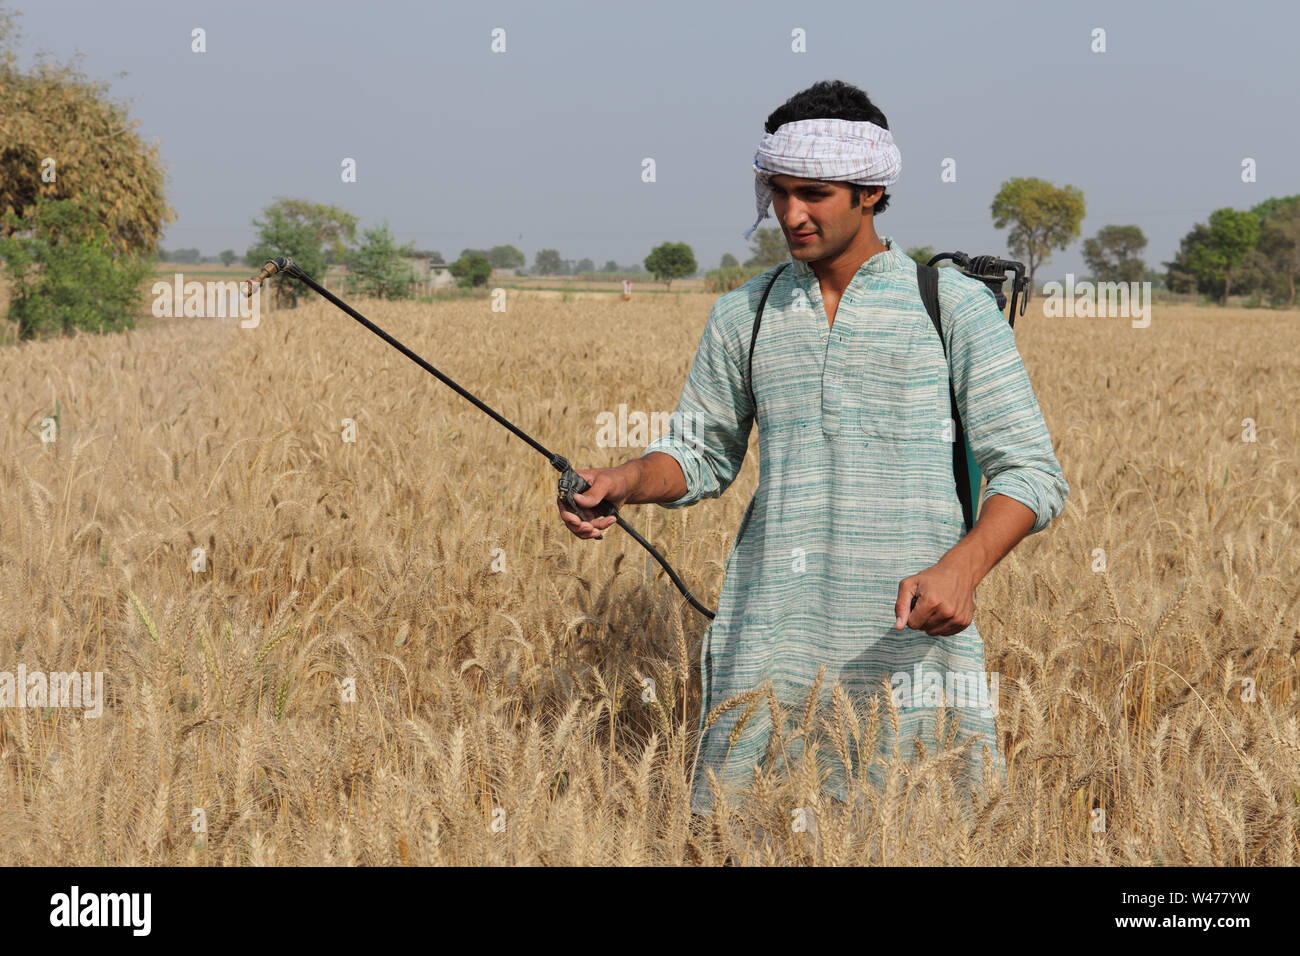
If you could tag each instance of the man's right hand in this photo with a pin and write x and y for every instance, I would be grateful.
(614, 485)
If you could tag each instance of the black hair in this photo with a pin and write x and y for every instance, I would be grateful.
(832, 99)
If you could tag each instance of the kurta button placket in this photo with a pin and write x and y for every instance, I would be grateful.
(833, 370)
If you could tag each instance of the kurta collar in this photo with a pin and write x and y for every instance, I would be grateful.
(891, 258)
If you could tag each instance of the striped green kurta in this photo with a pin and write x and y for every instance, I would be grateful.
(855, 493)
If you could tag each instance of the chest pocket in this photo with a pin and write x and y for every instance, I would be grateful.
(900, 381)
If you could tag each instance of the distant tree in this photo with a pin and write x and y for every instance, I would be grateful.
(1185, 273)
(506, 257)
(769, 249)
(334, 229)
(1279, 242)
(228, 257)
(610, 266)
(435, 258)
(65, 271)
(472, 270)
(305, 231)
(728, 261)
(186, 256)
(1257, 276)
(921, 254)
(1114, 254)
(61, 137)
(379, 265)
(1221, 249)
(671, 260)
(548, 263)
(585, 265)
(1272, 207)
(1042, 218)
(1279, 245)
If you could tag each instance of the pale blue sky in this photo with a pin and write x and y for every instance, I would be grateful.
(541, 146)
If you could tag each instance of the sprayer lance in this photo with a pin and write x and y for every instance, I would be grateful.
(570, 482)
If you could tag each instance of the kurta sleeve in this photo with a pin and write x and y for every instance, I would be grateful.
(708, 434)
(999, 412)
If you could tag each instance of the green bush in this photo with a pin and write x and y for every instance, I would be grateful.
(64, 272)
(724, 280)
(472, 270)
(379, 268)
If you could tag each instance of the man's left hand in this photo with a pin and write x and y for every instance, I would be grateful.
(944, 598)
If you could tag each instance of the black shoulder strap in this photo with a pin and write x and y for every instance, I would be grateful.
(758, 320)
(927, 278)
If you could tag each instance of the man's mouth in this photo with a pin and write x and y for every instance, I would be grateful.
(802, 236)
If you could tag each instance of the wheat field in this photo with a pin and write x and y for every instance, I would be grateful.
(394, 653)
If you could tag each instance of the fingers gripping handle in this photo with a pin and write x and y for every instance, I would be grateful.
(571, 483)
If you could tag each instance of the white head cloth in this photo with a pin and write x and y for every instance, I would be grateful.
(831, 149)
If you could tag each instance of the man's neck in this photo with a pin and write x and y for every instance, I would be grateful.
(836, 272)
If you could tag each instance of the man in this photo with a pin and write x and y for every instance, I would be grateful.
(856, 512)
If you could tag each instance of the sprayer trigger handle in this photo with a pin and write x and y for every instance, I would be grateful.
(571, 483)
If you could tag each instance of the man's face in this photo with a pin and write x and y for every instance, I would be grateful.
(815, 215)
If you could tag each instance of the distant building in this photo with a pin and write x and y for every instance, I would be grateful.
(441, 276)
(435, 273)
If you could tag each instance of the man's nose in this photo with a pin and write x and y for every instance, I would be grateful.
(795, 214)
